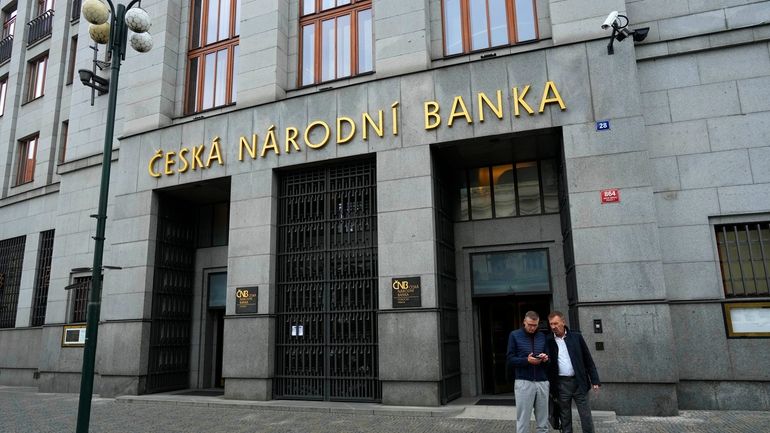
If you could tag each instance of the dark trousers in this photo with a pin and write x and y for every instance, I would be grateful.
(568, 391)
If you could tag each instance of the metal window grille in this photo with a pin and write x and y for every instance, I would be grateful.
(81, 287)
(42, 277)
(11, 259)
(326, 338)
(40, 27)
(172, 299)
(744, 257)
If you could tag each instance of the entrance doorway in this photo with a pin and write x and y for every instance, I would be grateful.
(498, 316)
(326, 285)
(216, 285)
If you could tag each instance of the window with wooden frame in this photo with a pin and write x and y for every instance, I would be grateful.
(335, 40)
(25, 165)
(9, 21)
(44, 6)
(212, 54)
(36, 70)
(473, 25)
(3, 91)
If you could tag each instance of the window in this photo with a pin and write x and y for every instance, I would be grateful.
(518, 189)
(11, 260)
(42, 277)
(744, 257)
(36, 77)
(9, 21)
(25, 171)
(213, 54)
(3, 91)
(73, 54)
(335, 40)
(65, 127)
(472, 25)
(44, 6)
(511, 272)
(80, 288)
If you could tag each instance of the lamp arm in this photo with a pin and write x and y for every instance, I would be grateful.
(112, 7)
(133, 2)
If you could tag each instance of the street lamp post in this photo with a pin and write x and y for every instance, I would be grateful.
(108, 26)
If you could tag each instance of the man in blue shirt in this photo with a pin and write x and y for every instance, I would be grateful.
(526, 352)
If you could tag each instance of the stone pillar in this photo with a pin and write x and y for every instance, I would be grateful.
(618, 271)
(409, 350)
(263, 51)
(401, 36)
(580, 20)
(249, 339)
(147, 80)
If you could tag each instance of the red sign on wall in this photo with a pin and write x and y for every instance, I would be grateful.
(610, 195)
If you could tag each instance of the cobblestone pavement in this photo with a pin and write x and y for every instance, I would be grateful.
(24, 410)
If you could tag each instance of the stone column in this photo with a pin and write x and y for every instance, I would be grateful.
(263, 51)
(618, 271)
(249, 339)
(409, 351)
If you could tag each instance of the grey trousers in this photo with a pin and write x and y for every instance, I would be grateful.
(531, 394)
(568, 391)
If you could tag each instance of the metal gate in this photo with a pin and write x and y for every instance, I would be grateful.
(326, 338)
(172, 296)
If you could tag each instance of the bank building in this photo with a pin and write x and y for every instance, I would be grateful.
(358, 200)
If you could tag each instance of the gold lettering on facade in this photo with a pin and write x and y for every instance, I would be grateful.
(215, 153)
(244, 143)
(269, 142)
(158, 155)
(347, 127)
(432, 118)
(366, 121)
(291, 138)
(394, 117)
(549, 85)
(308, 130)
(459, 103)
(518, 100)
(352, 125)
(169, 162)
(196, 156)
(484, 100)
(186, 165)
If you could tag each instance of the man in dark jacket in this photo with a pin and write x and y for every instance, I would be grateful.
(526, 351)
(572, 372)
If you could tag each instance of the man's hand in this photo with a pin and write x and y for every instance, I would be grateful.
(533, 360)
(596, 388)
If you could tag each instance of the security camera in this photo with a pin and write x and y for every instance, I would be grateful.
(611, 21)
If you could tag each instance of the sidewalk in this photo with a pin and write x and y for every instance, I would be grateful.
(24, 410)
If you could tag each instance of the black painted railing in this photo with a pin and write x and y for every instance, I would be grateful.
(6, 46)
(40, 27)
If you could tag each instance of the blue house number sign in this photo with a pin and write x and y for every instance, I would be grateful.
(602, 125)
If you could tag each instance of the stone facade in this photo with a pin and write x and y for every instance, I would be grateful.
(688, 148)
